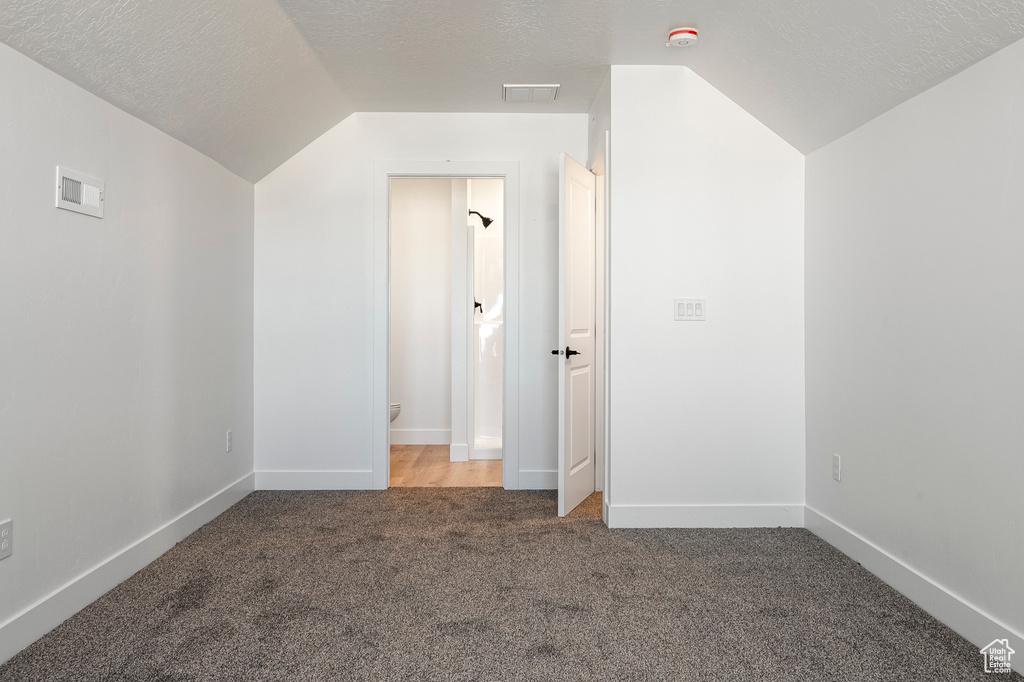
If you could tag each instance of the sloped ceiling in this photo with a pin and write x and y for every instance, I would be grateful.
(250, 83)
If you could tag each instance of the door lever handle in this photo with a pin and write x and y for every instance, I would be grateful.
(569, 352)
(478, 304)
(556, 352)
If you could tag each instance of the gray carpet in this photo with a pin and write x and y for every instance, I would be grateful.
(486, 584)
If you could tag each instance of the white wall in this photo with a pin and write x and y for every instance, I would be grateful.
(314, 286)
(421, 310)
(126, 345)
(462, 325)
(915, 336)
(707, 418)
(600, 121)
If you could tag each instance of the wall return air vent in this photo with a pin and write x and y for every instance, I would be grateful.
(79, 193)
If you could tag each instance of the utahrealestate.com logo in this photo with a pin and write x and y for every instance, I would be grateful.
(997, 656)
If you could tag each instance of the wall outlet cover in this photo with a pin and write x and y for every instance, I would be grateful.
(6, 538)
(837, 467)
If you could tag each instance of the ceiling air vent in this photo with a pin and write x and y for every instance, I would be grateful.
(529, 93)
(79, 193)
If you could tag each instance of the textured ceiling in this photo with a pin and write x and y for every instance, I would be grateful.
(233, 79)
(250, 83)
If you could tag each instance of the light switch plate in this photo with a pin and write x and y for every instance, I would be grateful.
(691, 309)
(6, 538)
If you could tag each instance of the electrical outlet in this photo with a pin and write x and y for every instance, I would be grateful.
(6, 538)
(837, 468)
(228, 443)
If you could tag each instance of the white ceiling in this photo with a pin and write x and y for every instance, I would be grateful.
(250, 83)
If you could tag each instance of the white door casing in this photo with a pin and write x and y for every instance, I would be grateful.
(576, 333)
(383, 171)
(600, 322)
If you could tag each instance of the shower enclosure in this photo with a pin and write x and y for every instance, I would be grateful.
(486, 264)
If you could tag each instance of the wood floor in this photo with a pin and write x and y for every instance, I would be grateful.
(428, 466)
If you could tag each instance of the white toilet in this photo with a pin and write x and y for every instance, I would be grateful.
(395, 409)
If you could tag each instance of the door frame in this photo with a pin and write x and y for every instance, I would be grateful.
(605, 265)
(598, 168)
(383, 172)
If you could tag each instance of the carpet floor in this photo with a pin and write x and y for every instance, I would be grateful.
(487, 584)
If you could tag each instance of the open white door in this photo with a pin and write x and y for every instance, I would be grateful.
(576, 334)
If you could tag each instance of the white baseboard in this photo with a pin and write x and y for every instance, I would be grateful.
(538, 480)
(486, 453)
(26, 627)
(459, 453)
(705, 515)
(961, 616)
(421, 436)
(314, 480)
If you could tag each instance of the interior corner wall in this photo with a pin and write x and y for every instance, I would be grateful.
(126, 347)
(600, 121)
(707, 418)
(421, 310)
(914, 341)
(314, 287)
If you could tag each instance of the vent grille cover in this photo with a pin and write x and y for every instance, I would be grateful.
(79, 193)
(530, 93)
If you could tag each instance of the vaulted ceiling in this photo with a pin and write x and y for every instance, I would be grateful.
(249, 83)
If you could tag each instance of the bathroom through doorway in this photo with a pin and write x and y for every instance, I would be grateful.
(447, 318)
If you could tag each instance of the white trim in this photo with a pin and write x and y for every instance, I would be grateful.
(421, 436)
(314, 480)
(510, 342)
(599, 320)
(542, 479)
(381, 426)
(606, 398)
(383, 171)
(459, 453)
(26, 627)
(964, 618)
(705, 515)
(485, 453)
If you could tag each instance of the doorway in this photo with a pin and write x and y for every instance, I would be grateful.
(446, 321)
(489, 361)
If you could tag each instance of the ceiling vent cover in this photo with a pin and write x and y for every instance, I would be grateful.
(529, 93)
(79, 193)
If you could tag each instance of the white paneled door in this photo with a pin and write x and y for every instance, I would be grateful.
(576, 334)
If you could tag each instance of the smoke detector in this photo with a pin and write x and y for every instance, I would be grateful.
(682, 37)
